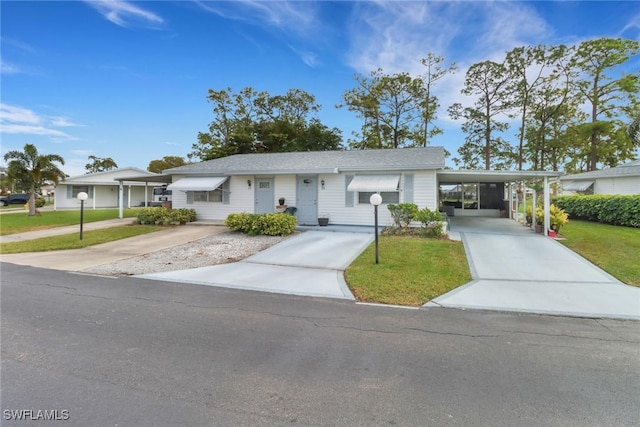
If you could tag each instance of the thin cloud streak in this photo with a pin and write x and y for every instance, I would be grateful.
(125, 14)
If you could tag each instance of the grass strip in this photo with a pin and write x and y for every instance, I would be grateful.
(72, 241)
(12, 223)
(613, 248)
(412, 270)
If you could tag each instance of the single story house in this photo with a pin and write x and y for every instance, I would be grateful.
(338, 184)
(623, 179)
(103, 189)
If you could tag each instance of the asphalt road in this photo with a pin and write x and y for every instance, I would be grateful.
(133, 352)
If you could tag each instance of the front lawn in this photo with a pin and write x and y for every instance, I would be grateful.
(72, 241)
(613, 248)
(11, 223)
(412, 270)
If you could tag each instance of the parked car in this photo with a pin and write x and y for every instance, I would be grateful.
(15, 199)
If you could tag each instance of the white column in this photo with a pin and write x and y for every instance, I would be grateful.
(120, 199)
(547, 204)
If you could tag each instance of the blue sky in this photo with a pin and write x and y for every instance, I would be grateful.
(128, 80)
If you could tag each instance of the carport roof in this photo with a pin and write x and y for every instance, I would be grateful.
(448, 175)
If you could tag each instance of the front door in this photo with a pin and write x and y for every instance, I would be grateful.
(264, 195)
(307, 203)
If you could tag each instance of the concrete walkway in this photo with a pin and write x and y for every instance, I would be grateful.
(311, 263)
(515, 269)
(105, 253)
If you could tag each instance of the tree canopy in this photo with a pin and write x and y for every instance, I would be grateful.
(167, 162)
(98, 164)
(251, 121)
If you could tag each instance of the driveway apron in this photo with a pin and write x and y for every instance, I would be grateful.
(519, 270)
(311, 263)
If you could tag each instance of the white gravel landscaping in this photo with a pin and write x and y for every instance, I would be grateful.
(217, 249)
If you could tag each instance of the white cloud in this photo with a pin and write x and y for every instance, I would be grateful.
(125, 14)
(6, 68)
(290, 16)
(633, 24)
(19, 120)
(11, 113)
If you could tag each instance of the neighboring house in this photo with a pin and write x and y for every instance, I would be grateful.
(623, 179)
(103, 189)
(333, 184)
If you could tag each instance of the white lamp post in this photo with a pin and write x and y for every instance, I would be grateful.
(376, 200)
(82, 196)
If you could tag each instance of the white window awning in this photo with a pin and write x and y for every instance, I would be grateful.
(577, 185)
(208, 183)
(373, 183)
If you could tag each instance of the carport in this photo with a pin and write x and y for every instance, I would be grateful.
(485, 193)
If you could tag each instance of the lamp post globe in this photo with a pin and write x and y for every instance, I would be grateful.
(375, 199)
(82, 196)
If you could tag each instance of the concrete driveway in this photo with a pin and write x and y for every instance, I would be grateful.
(515, 269)
(311, 263)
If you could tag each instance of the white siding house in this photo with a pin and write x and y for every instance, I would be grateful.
(103, 189)
(333, 184)
(623, 179)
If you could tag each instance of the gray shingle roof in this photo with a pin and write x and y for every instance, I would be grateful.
(628, 169)
(319, 162)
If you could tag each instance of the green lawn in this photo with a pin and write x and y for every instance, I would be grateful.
(11, 223)
(412, 270)
(72, 241)
(614, 249)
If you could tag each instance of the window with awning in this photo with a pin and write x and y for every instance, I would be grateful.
(374, 183)
(197, 183)
(579, 186)
(385, 185)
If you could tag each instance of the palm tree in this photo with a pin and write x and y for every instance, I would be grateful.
(30, 170)
(634, 130)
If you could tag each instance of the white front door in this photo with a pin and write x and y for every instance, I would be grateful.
(264, 195)
(307, 203)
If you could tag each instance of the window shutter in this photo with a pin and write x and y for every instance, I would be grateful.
(189, 197)
(91, 191)
(348, 195)
(225, 191)
(408, 188)
(69, 191)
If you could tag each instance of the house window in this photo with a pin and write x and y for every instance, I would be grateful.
(214, 196)
(387, 196)
(76, 189)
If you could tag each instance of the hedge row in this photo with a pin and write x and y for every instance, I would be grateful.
(270, 224)
(165, 216)
(608, 209)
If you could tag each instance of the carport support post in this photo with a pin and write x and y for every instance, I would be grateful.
(120, 199)
(547, 207)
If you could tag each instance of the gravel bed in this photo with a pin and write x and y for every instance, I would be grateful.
(217, 249)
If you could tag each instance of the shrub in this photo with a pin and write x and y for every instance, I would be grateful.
(403, 213)
(270, 224)
(165, 216)
(608, 209)
(558, 218)
(431, 222)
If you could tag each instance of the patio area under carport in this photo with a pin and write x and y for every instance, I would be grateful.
(510, 182)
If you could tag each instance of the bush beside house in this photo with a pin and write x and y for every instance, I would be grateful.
(608, 209)
(269, 224)
(165, 216)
